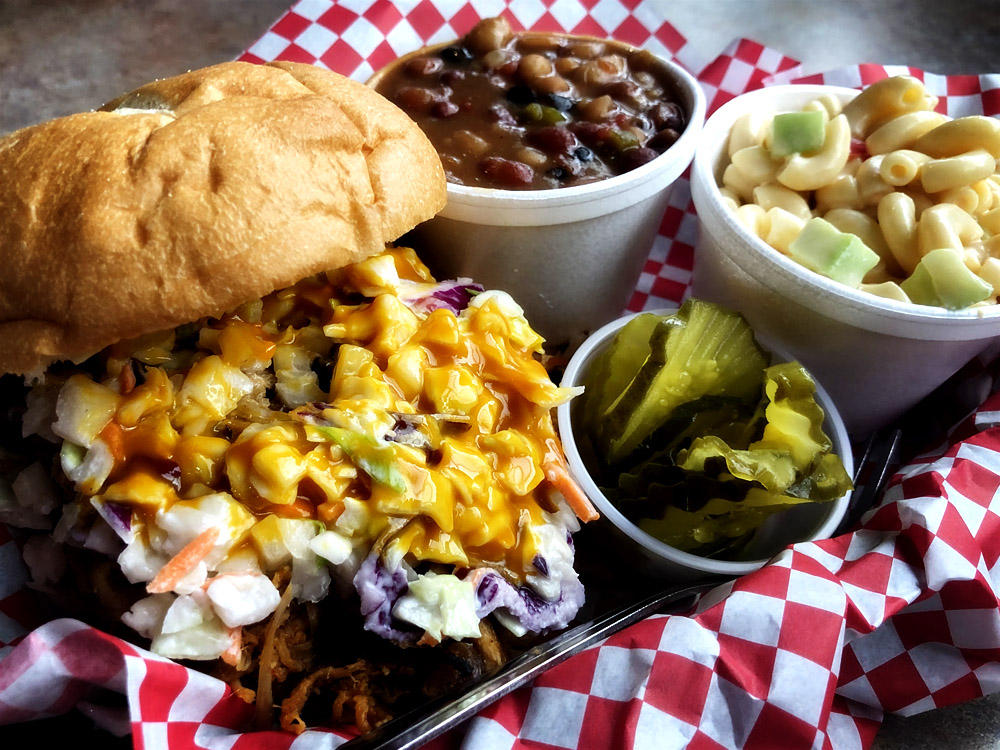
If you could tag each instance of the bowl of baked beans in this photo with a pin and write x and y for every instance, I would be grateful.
(560, 152)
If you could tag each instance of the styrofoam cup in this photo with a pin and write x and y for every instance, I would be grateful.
(806, 522)
(570, 256)
(877, 357)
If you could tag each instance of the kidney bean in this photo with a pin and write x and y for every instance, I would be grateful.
(591, 133)
(664, 139)
(506, 171)
(443, 108)
(626, 91)
(414, 99)
(636, 157)
(508, 69)
(667, 115)
(451, 77)
(424, 66)
(499, 113)
(553, 140)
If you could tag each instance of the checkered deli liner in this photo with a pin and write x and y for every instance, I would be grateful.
(901, 615)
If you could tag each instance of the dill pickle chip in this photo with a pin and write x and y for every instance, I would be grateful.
(702, 350)
(619, 363)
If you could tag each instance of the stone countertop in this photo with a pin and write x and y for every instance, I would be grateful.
(59, 57)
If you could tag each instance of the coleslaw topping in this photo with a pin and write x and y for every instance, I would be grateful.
(368, 426)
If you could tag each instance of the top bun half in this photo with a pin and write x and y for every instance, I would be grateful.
(192, 195)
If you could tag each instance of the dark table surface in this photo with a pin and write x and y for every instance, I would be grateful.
(63, 56)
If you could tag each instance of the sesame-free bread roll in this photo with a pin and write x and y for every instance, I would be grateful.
(193, 194)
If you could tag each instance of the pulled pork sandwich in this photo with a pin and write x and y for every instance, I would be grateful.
(250, 429)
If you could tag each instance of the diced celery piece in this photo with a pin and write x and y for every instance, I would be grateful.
(942, 278)
(837, 255)
(797, 133)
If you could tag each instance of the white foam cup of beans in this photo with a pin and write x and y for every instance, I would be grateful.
(570, 256)
(876, 357)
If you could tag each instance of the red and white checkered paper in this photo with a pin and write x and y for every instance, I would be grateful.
(901, 615)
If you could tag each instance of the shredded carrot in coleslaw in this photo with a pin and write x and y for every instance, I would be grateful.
(183, 562)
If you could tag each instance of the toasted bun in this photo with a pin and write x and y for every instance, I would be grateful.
(192, 195)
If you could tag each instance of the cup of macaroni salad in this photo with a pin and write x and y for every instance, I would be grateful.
(860, 230)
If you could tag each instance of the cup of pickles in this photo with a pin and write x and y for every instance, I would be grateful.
(705, 450)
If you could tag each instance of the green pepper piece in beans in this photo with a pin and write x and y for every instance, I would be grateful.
(623, 140)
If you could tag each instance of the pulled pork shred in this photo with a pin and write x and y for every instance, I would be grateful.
(353, 703)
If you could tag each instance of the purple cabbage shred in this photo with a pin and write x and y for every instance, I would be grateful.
(380, 589)
(531, 610)
(451, 295)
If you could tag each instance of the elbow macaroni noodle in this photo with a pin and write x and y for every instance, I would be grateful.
(902, 177)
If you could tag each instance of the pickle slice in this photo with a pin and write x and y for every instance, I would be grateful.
(702, 350)
(619, 364)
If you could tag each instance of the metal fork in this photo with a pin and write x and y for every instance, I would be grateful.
(419, 727)
(879, 460)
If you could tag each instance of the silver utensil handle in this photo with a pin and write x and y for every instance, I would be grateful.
(417, 728)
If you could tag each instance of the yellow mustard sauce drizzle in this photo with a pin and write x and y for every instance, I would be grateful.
(186, 430)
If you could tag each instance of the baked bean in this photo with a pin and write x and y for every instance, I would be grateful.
(547, 43)
(601, 71)
(488, 35)
(645, 79)
(625, 91)
(566, 65)
(470, 143)
(531, 110)
(532, 157)
(595, 109)
(533, 67)
(497, 58)
(552, 85)
(586, 50)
